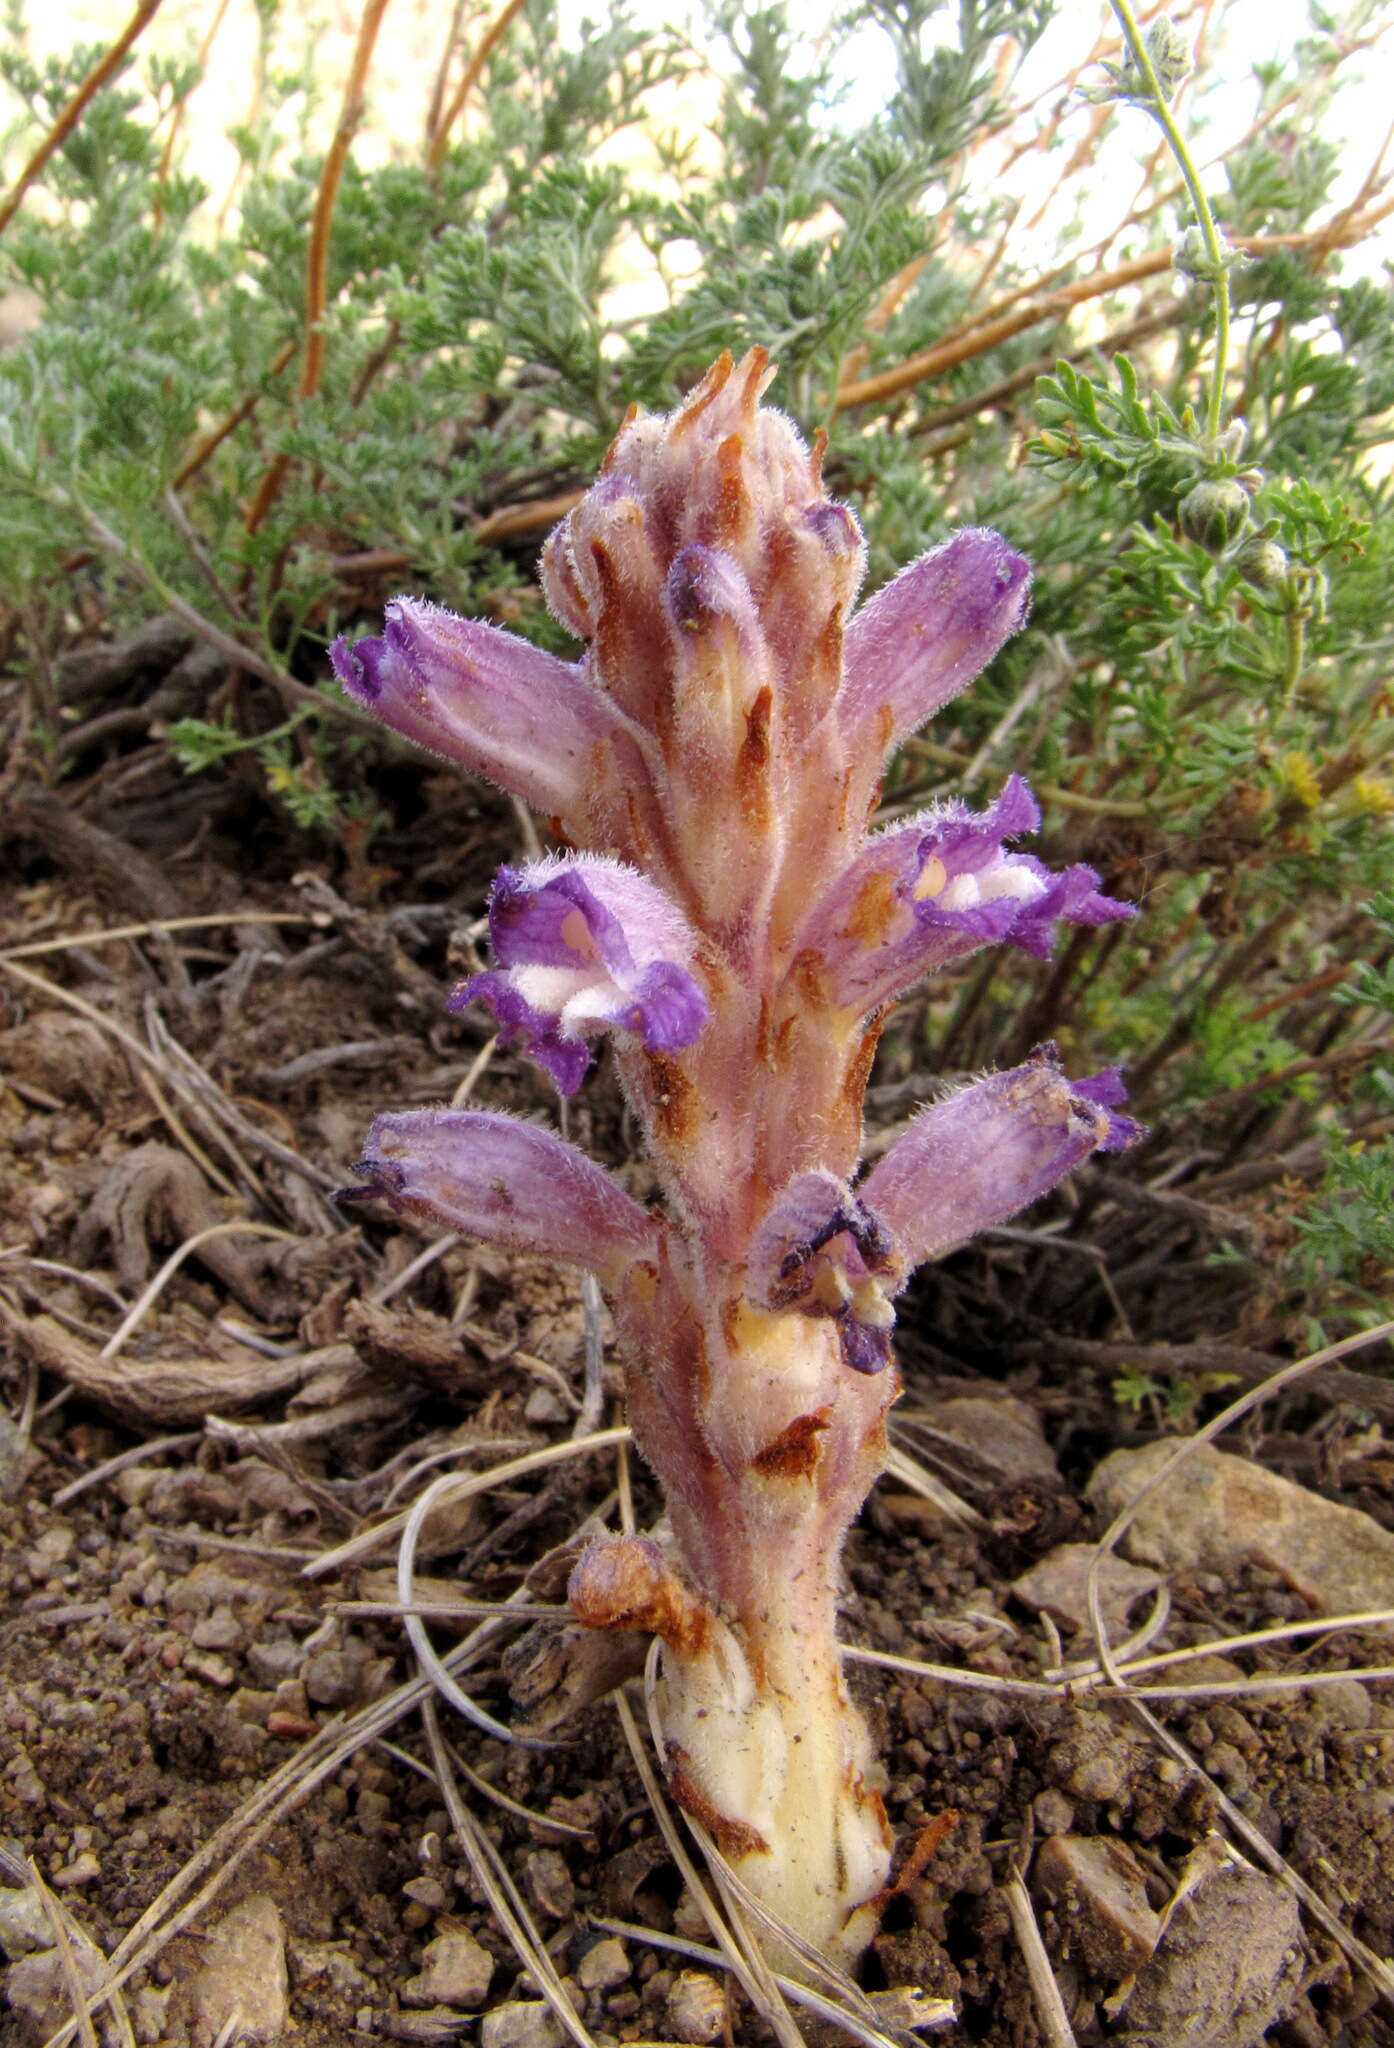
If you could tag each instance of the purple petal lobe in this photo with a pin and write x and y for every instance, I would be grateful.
(585, 945)
(983, 1153)
(1107, 1089)
(512, 1183)
(485, 699)
(925, 636)
(936, 887)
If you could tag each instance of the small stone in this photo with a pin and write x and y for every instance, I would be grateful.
(428, 1892)
(524, 2023)
(1229, 1963)
(1218, 1511)
(23, 1922)
(148, 2009)
(207, 1664)
(1101, 1891)
(999, 1436)
(330, 1679)
(82, 1870)
(242, 1973)
(1058, 1585)
(290, 1726)
(543, 1405)
(696, 2007)
(603, 1967)
(455, 1971)
(1052, 1812)
(134, 1486)
(271, 1663)
(220, 1630)
(36, 1986)
(375, 1812)
(549, 1882)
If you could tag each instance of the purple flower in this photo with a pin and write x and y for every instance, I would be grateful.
(937, 887)
(585, 945)
(495, 1177)
(485, 699)
(927, 634)
(981, 1154)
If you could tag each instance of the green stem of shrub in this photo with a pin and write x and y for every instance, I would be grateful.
(1205, 219)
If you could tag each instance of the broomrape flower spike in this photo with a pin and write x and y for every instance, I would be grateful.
(730, 922)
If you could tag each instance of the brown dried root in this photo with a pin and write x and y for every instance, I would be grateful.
(155, 1195)
(165, 1391)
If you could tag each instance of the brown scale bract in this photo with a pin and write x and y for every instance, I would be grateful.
(794, 1453)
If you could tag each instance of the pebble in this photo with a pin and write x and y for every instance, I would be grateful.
(242, 1971)
(1059, 1584)
(1218, 1511)
(82, 1870)
(603, 1967)
(1230, 1960)
(23, 1922)
(549, 1882)
(207, 1664)
(1100, 1892)
(525, 2023)
(220, 1630)
(696, 2007)
(455, 1971)
(330, 1678)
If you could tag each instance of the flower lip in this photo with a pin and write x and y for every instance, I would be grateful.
(585, 945)
(933, 888)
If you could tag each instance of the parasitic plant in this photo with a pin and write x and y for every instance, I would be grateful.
(725, 913)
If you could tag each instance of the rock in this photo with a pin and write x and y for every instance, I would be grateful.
(1228, 1964)
(220, 1630)
(1001, 1437)
(1097, 1757)
(272, 1663)
(82, 1870)
(1059, 1583)
(23, 1922)
(1099, 1890)
(36, 1986)
(1218, 1511)
(241, 1983)
(696, 2007)
(525, 2023)
(331, 1679)
(455, 1971)
(549, 1882)
(603, 1967)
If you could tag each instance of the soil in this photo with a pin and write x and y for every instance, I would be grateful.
(163, 1652)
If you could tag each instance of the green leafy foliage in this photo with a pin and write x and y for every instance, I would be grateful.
(1202, 698)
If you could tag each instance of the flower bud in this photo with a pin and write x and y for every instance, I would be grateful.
(1262, 563)
(1170, 54)
(1214, 512)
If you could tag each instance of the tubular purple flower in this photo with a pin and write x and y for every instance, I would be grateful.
(977, 1157)
(495, 1177)
(586, 945)
(486, 700)
(936, 887)
(927, 634)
